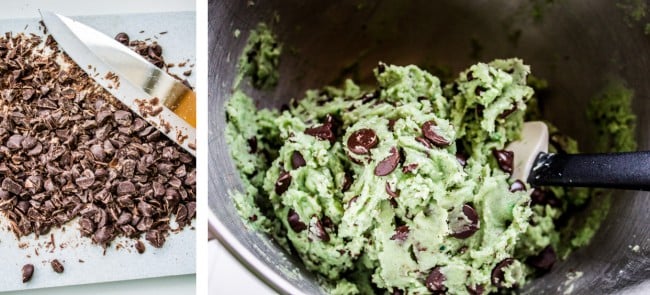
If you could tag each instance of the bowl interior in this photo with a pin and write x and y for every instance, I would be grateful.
(575, 45)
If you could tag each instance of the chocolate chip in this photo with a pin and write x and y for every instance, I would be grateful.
(429, 130)
(86, 179)
(297, 160)
(122, 118)
(154, 51)
(139, 246)
(401, 233)
(125, 188)
(516, 186)
(347, 182)
(69, 93)
(409, 168)
(390, 192)
(155, 238)
(464, 224)
(28, 142)
(505, 159)
(475, 290)
(544, 260)
(294, 221)
(507, 112)
(13, 143)
(423, 141)
(103, 235)
(462, 159)
(361, 141)
(283, 182)
(381, 68)
(317, 229)
(544, 197)
(391, 124)
(498, 272)
(436, 281)
(323, 131)
(12, 186)
(387, 165)
(122, 38)
(57, 266)
(252, 144)
(28, 272)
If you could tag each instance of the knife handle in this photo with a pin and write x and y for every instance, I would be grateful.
(185, 107)
(614, 170)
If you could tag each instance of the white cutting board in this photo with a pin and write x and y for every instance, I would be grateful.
(120, 261)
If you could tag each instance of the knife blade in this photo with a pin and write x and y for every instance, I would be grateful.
(138, 81)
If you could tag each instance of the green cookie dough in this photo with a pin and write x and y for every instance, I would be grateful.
(396, 188)
(260, 58)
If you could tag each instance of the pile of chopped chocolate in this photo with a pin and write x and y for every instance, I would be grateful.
(68, 149)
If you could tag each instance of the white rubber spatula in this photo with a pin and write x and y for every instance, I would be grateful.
(533, 163)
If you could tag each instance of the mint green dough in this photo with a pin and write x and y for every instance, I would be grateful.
(359, 247)
(260, 59)
(362, 231)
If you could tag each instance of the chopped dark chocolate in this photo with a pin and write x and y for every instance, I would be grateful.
(77, 152)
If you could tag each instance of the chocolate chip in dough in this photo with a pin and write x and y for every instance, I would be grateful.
(361, 141)
(388, 164)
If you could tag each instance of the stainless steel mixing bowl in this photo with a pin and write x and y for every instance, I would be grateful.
(575, 45)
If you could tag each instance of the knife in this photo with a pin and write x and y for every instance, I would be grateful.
(138, 81)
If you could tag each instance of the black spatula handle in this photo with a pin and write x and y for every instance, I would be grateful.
(616, 170)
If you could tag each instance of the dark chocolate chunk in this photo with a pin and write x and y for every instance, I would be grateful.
(323, 131)
(475, 290)
(154, 51)
(103, 235)
(498, 272)
(388, 165)
(464, 223)
(28, 272)
(122, 38)
(508, 112)
(13, 143)
(429, 130)
(57, 266)
(252, 144)
(155, 238)
(436, 281)
(283, 182)
(462, 159)
(139, 246)
(390, 192)
(125, 188)
(12, 186)
(401, 233)
(505, 159)
(544, 197)
(28, 142)
(347, 182)
(516, 186)
(423, 141)
(294, 221)
(361, 141)
(122, 118)
(317, 229)
(86, 179)
(297, 160)
(409, 168)
(544, 260)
